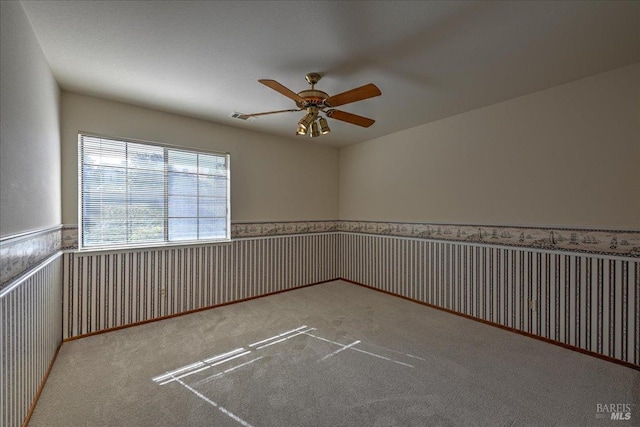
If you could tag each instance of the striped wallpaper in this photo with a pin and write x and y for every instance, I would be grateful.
(107, 290)
(587, 301)
(30, 333)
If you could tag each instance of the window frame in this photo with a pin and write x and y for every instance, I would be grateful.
(151, 244)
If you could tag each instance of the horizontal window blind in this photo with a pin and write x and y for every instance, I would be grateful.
(138, 194)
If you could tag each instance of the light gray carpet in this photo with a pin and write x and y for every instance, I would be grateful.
(334, 354)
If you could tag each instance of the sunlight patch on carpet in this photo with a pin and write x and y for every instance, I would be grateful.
(244, 357)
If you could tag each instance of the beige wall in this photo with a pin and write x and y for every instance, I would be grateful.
(29, 129)
(569, 155)
(271, 179)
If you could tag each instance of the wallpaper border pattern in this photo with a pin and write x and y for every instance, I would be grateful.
(24, 252)
(624, 243)
(583, 240)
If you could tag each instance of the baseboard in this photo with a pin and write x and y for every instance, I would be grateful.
(184, 313)
(506, 328)
(44, 381)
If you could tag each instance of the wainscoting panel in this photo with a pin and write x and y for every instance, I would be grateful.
(30, 333)
(106, 290)
(588, 301)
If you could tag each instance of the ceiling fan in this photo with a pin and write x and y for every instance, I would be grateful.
(315, 101)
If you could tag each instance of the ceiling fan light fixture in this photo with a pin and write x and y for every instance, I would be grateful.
(324, 126)
(301, 130)
(306, 121)
(314, 130)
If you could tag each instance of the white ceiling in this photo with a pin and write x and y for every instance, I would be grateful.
(431, 59)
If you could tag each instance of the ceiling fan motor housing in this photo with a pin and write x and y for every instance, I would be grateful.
(312, 97)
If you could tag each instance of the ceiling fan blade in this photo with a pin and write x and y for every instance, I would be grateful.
(353, 95)
(283, 90)
(350, 118)
(246, 116)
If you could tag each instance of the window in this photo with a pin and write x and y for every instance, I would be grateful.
(136, 194)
